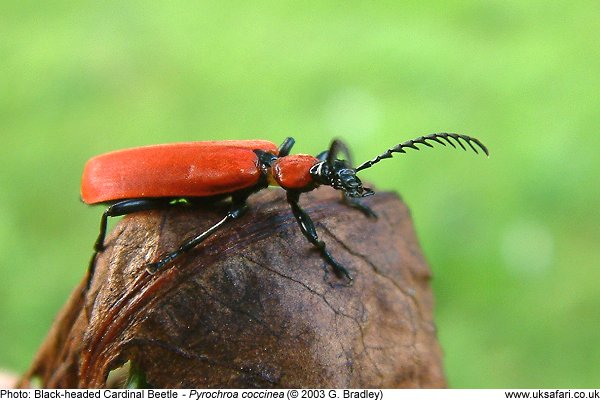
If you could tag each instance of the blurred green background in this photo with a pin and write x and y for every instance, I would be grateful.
(513, 240)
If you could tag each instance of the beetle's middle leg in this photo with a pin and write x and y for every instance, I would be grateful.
(238, 208)
(308, 229)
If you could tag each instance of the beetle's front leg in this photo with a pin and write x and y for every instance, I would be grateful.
(360, 206)
(308, 229)
(337, 146)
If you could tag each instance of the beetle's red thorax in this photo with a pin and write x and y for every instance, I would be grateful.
(293, 172)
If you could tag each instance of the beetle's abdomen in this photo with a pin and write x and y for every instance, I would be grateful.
(195, 169)
(293, 172)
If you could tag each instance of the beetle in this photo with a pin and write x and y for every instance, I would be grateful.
(162, 176)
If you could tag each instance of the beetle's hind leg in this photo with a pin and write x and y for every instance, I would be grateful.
(238, 208)
(119, 209)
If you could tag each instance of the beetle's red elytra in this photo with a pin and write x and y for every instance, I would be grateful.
(154, 177)
(193, 169)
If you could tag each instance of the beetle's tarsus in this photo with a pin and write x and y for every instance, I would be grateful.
(341, 272)
(91, 270)
(152, 268)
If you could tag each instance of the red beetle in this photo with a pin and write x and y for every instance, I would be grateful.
(153, 177)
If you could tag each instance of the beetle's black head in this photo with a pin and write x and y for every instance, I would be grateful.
(341, 177)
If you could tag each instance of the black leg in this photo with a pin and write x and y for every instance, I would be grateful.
(308, 229)
(322, 156)
(286, 147)
(238, 208)
(336, 147)
(118, 209)
(355, 203)
(127, 207)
